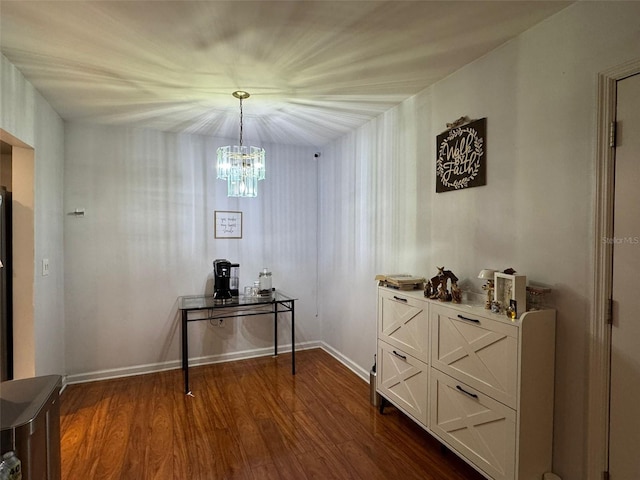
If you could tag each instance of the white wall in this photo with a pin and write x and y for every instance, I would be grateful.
(28, 118)
(380, 212)
(147, 237)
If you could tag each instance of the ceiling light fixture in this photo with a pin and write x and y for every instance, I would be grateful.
(241, 166)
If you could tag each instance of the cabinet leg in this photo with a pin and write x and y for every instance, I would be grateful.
(383, 401)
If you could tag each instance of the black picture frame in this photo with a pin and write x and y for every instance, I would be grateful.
(461, 160)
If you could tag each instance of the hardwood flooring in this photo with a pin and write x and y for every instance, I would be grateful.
(249, 419)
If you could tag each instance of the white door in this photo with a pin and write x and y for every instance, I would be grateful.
(624, 433)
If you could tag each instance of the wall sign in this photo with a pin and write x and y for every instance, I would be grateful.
(227, 224)
(461, 156)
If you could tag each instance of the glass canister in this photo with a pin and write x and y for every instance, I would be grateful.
(265, 281)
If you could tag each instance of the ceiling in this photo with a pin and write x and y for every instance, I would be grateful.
(315, 69)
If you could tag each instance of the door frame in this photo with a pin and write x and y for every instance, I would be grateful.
(599, 329)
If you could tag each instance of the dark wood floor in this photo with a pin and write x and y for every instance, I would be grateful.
(249, 419)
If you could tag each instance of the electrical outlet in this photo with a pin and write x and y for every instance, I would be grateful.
(45, 267)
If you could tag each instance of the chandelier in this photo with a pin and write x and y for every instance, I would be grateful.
(239, 165)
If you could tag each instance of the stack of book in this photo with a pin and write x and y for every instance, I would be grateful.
(401, 281)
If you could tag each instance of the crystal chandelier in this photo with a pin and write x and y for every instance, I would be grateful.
(241, 166)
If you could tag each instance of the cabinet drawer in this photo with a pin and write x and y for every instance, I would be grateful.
(403, 380)
(478, 351)
(478, 427)
(403, 321)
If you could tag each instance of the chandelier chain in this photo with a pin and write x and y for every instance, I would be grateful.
(241, 121)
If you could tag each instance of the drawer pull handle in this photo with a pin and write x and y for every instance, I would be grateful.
(465, 392)
(400, 299)
(398, 355)
(461, 317)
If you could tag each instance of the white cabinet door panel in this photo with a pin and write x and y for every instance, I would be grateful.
(479, 351)
(403, 321)
(478, 427)
(403, 380)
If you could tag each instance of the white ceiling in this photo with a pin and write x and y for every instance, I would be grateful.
(315, 69)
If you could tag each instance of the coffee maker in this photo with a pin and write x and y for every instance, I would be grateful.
(226, 279)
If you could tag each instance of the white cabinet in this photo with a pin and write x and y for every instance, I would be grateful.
(403, 351)
(404, 381)
(479, 382)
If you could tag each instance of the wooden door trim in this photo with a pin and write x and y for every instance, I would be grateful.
(599, 329)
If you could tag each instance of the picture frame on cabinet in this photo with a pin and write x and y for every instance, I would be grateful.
(509, 288)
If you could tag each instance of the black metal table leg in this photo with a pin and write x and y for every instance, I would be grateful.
(275, 329)
(293, 341)
(185, 352)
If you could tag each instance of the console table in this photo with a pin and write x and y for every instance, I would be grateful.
(242, 306)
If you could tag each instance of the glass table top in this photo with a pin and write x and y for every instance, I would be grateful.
(199, 302)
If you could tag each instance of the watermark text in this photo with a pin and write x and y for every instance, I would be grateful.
(621, 240)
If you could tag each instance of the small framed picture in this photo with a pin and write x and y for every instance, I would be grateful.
(511, 287)
(227, 224)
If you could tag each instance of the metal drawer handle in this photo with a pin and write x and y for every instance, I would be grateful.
(468, 319)
(400, 299)
(398, 355)
(465, 392)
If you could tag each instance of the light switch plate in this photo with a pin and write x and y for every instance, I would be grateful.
(45, 267)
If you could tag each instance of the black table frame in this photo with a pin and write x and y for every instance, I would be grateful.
(236, 307)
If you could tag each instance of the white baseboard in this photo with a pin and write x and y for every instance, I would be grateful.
(175, 364)
(207, 360)
(347, 362)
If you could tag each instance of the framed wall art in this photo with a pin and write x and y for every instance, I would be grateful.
(461, 155)
(227, 224)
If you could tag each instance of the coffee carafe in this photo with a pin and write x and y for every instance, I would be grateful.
(234, 281)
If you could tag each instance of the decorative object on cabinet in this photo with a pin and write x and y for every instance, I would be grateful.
(461, 155)
(536, 297)
(437, 287)
(456, 293)
(511, 287)
(496, 306)
(401, 281)
(481, 384)
(227, 224)
(487, 274)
